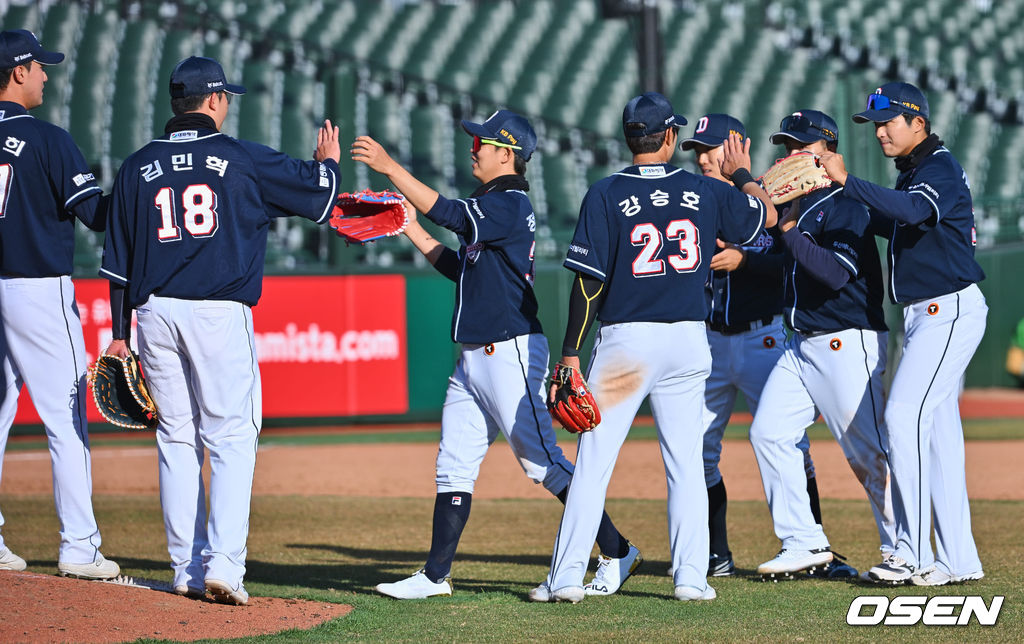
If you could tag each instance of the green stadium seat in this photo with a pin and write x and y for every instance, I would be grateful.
(301, 114)
(136, 85)
(93, 85)
(259, 111)
(24, 16)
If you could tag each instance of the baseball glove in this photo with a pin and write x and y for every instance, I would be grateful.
(573, 406)
(364, 216)
(120, 392)
(794, 176)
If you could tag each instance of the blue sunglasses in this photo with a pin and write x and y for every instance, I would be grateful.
(883, 102)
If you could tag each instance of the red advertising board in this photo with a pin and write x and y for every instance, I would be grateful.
(326, 345)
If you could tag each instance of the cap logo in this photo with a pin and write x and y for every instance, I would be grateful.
(508, 136)
(22, 57)
(670, 120)
(702, 125)
(214, 84)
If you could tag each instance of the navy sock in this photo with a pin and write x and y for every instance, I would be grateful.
(451, 511)
(812, 491)
(717, 502)
(609, 541)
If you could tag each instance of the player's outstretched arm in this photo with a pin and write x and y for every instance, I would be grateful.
(373, 154)
(444, 259)
(327, 145)
(736, 160)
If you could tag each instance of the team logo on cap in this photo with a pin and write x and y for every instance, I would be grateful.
(702, 125)
(933, 308)
(835, 344)
(769, 342)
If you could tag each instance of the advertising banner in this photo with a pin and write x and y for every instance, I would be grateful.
(327, 346)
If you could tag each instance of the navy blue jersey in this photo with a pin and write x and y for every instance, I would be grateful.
(43, 175)
(753, 291)
(648, 232)
(937, 256)
(840, 224)
(494, 298)
(190, 211)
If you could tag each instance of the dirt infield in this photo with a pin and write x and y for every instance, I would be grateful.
(45, 608)
(407, 470)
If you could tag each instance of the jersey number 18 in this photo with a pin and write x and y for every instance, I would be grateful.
(649, 237)
(198, 201)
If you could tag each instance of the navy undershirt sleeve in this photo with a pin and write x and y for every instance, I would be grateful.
(447, 264)
(120, 312)
(817, 261)
(585, 299)
(911, 209)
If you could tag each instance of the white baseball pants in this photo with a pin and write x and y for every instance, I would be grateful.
(43, 347)
(839, 375)
(925, 433)
(199, 358)
(499, 387)
(669, 362)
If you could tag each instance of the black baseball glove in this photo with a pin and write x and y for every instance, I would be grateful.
(120, 392)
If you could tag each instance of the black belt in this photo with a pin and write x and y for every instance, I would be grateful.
(741, 327)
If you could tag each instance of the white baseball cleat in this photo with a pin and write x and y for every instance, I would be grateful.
(933, 576)
(612, 573)
(790, 561)
(416, 587)
(224, 593)
(100, 568)
(541, 593)
(893, 569)
(571, 594)
(690, 593)
(10, 561)
(188, 591)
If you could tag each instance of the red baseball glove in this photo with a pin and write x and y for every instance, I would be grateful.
(364, 216)
(573, 405)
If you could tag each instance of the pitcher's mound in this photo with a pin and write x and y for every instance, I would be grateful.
(46, 608)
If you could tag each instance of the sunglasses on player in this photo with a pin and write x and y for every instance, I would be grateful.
(883, 102)
(479, 143)
(797, 123)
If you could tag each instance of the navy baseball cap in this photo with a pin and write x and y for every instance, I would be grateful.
(196, 76)
(506, 127)
(649, 113)
(892, 99)
(712, 130)
(20, 46)
(807, 126)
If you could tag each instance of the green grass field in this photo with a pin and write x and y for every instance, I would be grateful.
(336, 549)
(974, 429)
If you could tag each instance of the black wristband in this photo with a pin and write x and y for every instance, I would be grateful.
(741, 177)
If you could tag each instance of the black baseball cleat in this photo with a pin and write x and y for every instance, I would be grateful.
(835, 569)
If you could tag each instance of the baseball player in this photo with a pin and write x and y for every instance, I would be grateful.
(832, 365)
(498, 382)
(185, 246)
(746, 336)
(929, 222)
(641, 255)
(45, 184)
